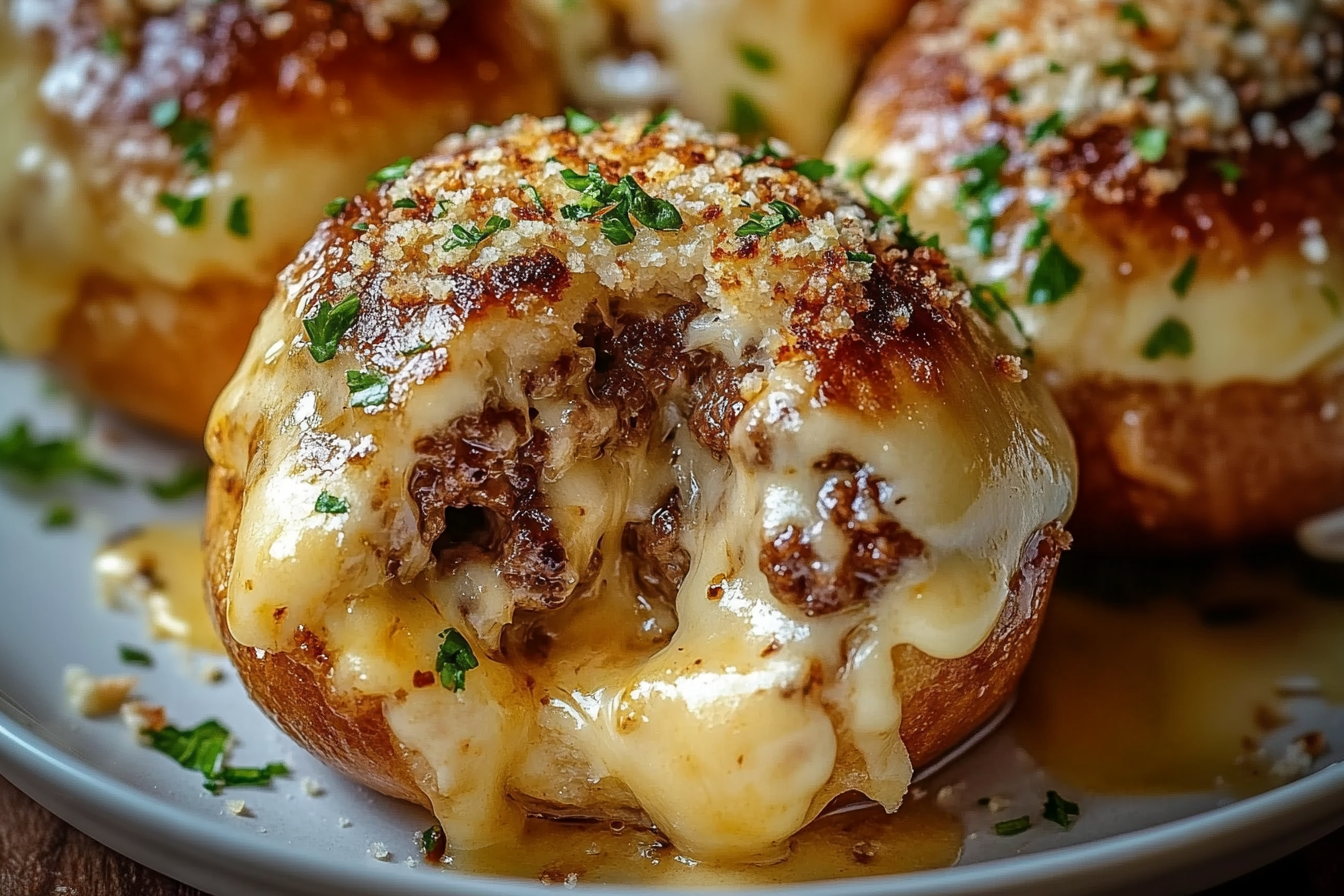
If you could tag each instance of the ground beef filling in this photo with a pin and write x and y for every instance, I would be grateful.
(477, 482)
(851, 500)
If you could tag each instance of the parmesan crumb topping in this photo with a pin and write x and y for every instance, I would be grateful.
(91, 695)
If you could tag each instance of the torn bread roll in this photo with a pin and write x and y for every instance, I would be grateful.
(160, 163)
(1150, 194)
(622, 475)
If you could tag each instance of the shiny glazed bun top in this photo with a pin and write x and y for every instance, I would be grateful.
(161, 161)
(1155, 186)
(693, 459)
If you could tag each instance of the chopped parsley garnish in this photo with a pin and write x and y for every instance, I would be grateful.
(1058, 809)
(860, 257)
(988, 300)
(1180, 284)
(202, 749)
(745, 117)
(531, 193)
(134, 656)
(1132, 12)
(1120, 68)
(1055, 277)
(1229, 171)
(756, 58)
(1014, 95)
(326, 328)
(455, 660)
(408, 202)
(1172, 337)
(192, 135)
(360, 226)
(59, 516)
(613, 204)
(1148, 86)
(982, 169)
(657, 121)
(415, 349)
(1150, 144)
(389, 173)
(1037, 231)
(110, 42)
(335, 207)
(759, 224)
(471, 236)
(889, 208)
(857, 169)
(187, 481)
(40, 461)
(814, 169)
(1012, 826)
(433, 843)
(329, 503)
(240, 217)
(1055, 68)
(579, 123)
(187, 212)
(1332, 300)
(368, 388)
(1047, 127)
(761, 153)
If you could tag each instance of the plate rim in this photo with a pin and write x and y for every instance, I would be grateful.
(195, 850)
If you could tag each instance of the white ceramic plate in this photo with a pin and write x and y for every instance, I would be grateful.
(93, 774)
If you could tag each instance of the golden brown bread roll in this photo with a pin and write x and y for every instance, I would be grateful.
(1152, 195)
(733, 501)
(161, 162)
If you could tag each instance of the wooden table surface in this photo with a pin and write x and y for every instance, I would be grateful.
(42, 856)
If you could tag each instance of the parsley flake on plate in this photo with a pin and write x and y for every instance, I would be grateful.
(756, 58)
(814, 170)
(1150, 144)
(1180, 284)
(579, 123)
(134, 656)
(188, 213)
(202, 749)
(614, 204)
(187, 481)
(471, 236)
(1012, 826)
(329, 503)
(368, 388)
(39, 461)
(1055, 277)
(1059, 810)
(388, 173)
(1171, 337)
(759, 224)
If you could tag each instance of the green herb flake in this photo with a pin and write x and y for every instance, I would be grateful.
(135, 656)
(199, 749)
(579, 123)
(860, 257)
(745, 117)
(1036, 233)
(433, 843)
(368, 388)
(1171, 337)
(613, 204)
(415, 349)
(240, 217)
(761, 224)
(983, 165)
(360, 226)
(1013, 826)
(815, 170)
(1150, 144)
(1180, 284)
(59, 516)
(471, 236)
(326, 328)
(532, 194)
(408, 202)
(1055, 277)
(230, 776)
(335, 207)
(1014, 95)
(889, 208)
(856, 170)
(657, 121)
(192, 135)
(756, 58)
(1047, 127)
(165, 113)
(988, 300)
(1055, 68)
(187, 481)
(454, 660)
(329, 503)
(762, 152)
(40, 461)
(1059, 810)
(980, 233)
(1133, 13)
(1120, 68)
(1332, 300)
(388, 173)
(1228, 171)
(188, 213)
(110, 42)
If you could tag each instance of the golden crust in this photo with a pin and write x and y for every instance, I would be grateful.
(296, 116)
(943, 700)
(1180, 467)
